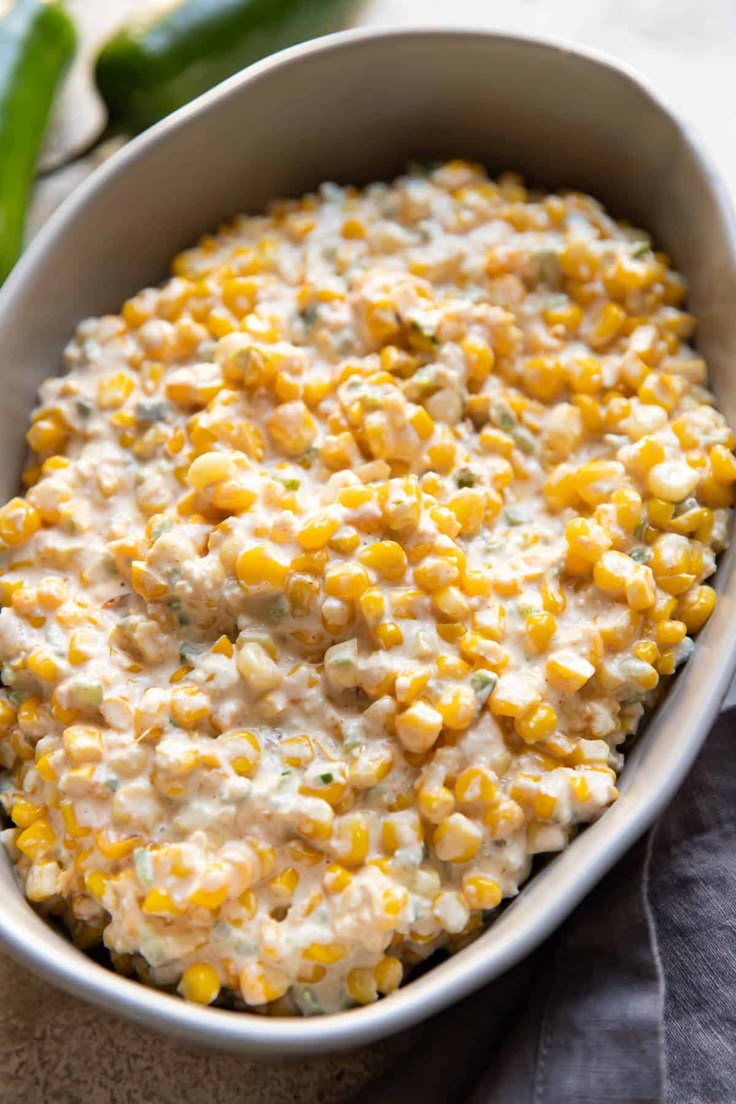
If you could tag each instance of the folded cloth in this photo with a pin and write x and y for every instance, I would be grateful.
(632, 1001)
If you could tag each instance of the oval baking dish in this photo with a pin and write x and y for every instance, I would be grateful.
(355, 108)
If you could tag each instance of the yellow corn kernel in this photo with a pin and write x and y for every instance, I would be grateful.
(350, 839)
(18, 521)
(476, 785)
(723, 464)
(672, 480)
(292, 427)
(296, 751)
(82, 646)
(145, 582)
(96, 882)
(468, 506)
(336, 878)
(435, 573)
(189, 705)
(388, 974)
(481, 892)
(208, 469)
(115, 848)
(42, 664)
(361, 985)
(553, 596)
(695, 607)
(422, 423)
(608, 325)
(646, 650)
(587, 539)
(257, 669)
(513, 695)
(324, 953)
(620, 630)
(353, 228)
(83, 743)
(45, 768)
(317, 823)
(388, 634)
(47, 435)
(200, 983)
(247, 748)
(617, 574)
(210, 899)
(561, 488)
(450, 604)
(568, 315)
(540, 628)
(113, 388)
(346, 580)
(628, 505)
(257, 567)
(435, 803)
(36, 840)
(598, 479)
(458, 707)
(158, 902)
(669, 632)
(675, 562)
(24, 812)
(457, 839)
(316, 532)
(568, 672)
(543, 378)
(69, 816)
(418, 727)
(537, 723)
(387, 558)
(285, 882)
(261, 983)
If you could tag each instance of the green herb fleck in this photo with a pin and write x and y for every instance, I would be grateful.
(309, 315)
(514, 516)
(83, 408)
(422, 335)
(309, 456)
(641, 248)
(112, 783)
(465, 478)
(151, 411)
(326, 778)
(483, 683)
(292, 484)
(284, 773)
(280, 607)
(161, 527)
(143, 865)
(188, 653)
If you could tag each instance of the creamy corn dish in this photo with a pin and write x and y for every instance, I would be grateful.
(348, 560)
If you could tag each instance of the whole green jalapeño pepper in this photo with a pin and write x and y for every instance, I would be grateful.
(176, 50)
(36, 43)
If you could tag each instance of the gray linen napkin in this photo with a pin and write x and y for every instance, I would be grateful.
(632, 1001)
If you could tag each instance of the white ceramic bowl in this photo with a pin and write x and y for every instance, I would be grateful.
(356, 107)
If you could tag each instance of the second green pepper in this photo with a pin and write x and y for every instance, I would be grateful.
(159, 62)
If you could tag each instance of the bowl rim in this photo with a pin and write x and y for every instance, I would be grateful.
(81, 976)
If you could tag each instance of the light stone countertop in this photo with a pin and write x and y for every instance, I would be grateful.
(55, 1049)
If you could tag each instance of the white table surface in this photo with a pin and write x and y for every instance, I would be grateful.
(55, 1048)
